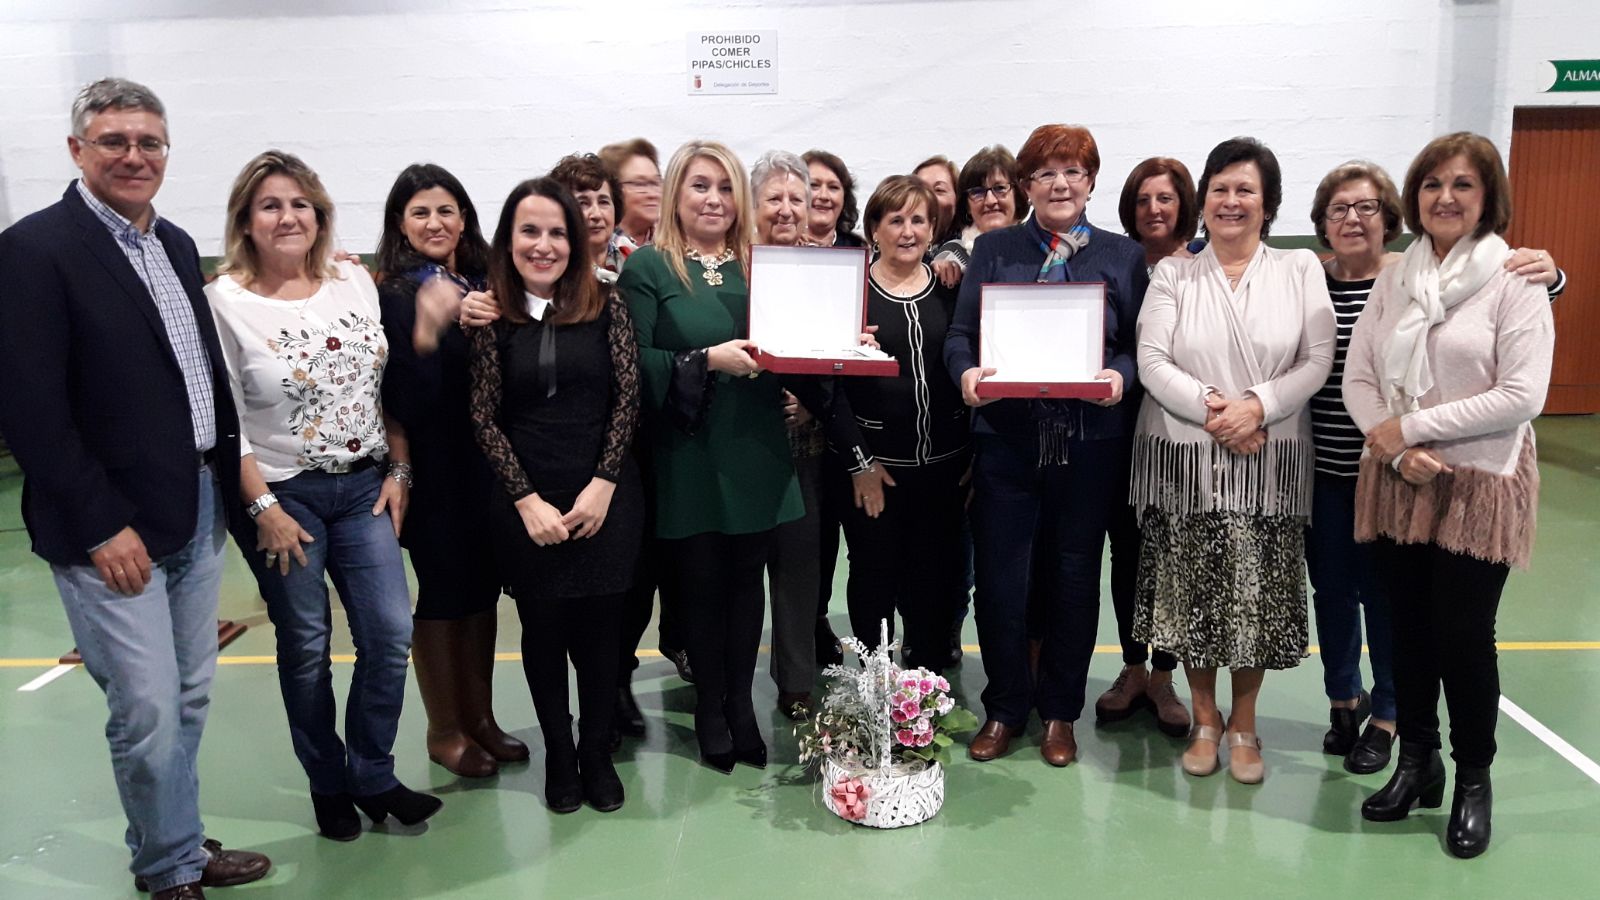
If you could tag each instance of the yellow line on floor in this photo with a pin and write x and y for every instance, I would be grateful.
(42, 663)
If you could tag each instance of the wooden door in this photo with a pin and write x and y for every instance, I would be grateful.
(1555, 192)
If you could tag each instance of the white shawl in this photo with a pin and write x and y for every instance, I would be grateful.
(1431, 287)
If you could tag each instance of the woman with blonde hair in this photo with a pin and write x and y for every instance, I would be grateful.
(723, 471)
(325, 483)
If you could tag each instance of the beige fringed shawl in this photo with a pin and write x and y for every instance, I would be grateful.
(1273, 337)
(1490, 357)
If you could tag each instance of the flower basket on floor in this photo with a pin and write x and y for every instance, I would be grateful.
(883, 738)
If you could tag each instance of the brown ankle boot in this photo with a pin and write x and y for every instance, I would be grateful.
(477, 662)
(439, 680)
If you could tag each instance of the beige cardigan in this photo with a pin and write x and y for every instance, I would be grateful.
(1491, 359)
(1273, 337)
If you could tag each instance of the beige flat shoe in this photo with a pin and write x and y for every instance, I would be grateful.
(1201, 756)
(1245, 772)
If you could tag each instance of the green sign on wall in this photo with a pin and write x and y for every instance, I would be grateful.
(1575, 75)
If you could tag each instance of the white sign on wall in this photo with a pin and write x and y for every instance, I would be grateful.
(733, 62)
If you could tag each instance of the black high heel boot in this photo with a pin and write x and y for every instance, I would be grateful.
(748, 747)
(1418, 780)
(1468, 834)
(408, 806)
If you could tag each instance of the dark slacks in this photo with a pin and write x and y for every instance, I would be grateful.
(1013, 497)
(721, 575)
(908, 558)
(1124, 534)
(1442, 608)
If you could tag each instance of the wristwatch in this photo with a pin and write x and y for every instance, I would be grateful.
(261, 504)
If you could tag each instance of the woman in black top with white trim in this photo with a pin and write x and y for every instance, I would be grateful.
(904, 439)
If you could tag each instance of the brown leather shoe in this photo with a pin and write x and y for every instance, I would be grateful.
(1125, 697)
(1172, 717)
(992, 741)
(190, 891)
(226, 868)
(1059, 747)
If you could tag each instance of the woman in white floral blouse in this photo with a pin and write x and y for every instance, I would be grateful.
(305, 352)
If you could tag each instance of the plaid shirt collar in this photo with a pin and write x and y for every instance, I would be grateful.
(120, 227)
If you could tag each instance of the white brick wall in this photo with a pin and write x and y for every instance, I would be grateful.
(497, 91)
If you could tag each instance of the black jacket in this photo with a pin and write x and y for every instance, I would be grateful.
(92, 400)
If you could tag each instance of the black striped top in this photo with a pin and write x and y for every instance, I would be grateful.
(1335, 436)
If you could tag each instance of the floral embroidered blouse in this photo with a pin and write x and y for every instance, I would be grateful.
(305, 373)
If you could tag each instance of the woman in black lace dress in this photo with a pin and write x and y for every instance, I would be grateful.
(555, 395)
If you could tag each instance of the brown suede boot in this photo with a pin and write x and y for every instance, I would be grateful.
(439, 676)
(477, 664)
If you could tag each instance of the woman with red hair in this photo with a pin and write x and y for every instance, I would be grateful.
(1021, 479)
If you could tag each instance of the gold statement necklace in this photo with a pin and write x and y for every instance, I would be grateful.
(710, 264)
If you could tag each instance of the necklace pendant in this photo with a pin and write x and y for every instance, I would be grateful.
(713, 277)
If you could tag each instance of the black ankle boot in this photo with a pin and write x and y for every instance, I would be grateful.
(601, 786)
(1344, 726)
(563, 790)
(1468, 834)
(406, 805)
(1418, 780)
(336, 816)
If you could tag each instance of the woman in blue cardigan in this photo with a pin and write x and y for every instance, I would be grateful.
(1056, 467)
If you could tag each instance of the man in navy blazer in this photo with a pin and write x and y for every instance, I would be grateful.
(114, 398)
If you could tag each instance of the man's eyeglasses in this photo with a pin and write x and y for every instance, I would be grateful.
(117, 145)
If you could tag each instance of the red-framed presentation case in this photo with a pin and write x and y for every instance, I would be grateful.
(808, 308)
(1046, 341)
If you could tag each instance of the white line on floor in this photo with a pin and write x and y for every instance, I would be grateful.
(1552, 740)
(46, 678)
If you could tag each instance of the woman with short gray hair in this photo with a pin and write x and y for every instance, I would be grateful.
(781, 194)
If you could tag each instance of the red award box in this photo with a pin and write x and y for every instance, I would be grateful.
(808, 308)
(1044, 341)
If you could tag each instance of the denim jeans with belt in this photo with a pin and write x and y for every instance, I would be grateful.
(1344, 581)
(154, 656)
(360, 553)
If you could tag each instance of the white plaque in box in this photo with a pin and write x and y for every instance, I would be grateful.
(808, 307)
(1043, 340)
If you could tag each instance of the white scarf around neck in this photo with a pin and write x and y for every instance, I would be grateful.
(1431, 287)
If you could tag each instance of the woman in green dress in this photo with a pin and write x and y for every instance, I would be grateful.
(724, 479)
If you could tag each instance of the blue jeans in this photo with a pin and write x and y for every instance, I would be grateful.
(154, 656)
(359, 552)
(1344, 581)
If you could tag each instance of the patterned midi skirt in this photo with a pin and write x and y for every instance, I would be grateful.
(1223, 588)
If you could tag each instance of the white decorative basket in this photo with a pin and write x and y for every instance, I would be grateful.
(898, 796)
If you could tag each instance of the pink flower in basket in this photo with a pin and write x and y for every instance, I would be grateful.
(910, 708)
(945, 704)
(850, 798)
(898, 715)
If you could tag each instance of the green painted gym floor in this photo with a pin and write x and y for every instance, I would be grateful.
(1123, 821)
